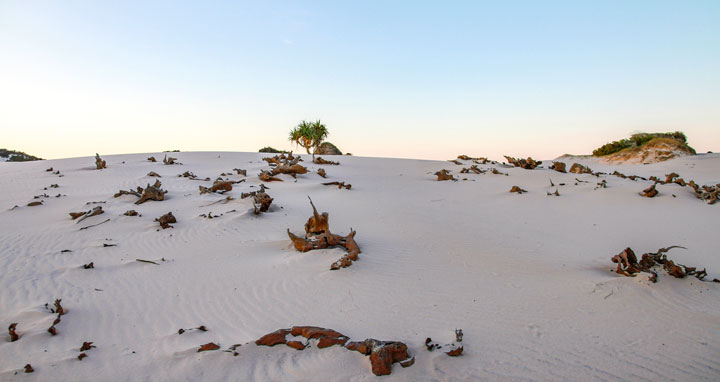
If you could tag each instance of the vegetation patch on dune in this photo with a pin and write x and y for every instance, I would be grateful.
(641, 139)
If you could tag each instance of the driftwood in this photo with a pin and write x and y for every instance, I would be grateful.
(382, 353)
(517, 189)
(153, 192)
(220, 186)
(292, 170)
(34, 204)
(649, 192)
(266, 176)
(29, 368)
(84, 215)
(319, 160)
(496, 172)
(209, 346)
(170, 160)
(99, 163)
(152, 159)
(321, 172)
(13, 335)
(166, 219)
(87, 346)
(444, 175)
(130, 213)
(474, 168)
(201, 328)
(577, 168)
(528, 164)
(558, 166)
(146, 261)
(457, 162)
(153, 173)
(261, 200)
(628, 264)
(240, 171)
(95, 225)
(339, 184)
(318, 236)
(556, 193)
(81, 356)
(455, 352)
(465, 157)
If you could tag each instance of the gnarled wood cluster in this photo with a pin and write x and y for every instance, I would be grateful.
(528, 164)
(444, 175)
(577, 168)
(558, 166)
(318, 236)
(99, 163)
(382, 353)
(282, 165)
(166, 220)
(474, 168)
(220, 186)
(261, 200)
(628, 264)
(153, 192)
(170, 160)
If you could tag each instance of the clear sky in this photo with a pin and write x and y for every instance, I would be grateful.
(388, 78)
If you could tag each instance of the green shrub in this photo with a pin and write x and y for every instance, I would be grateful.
(636, 140)
(268, 149)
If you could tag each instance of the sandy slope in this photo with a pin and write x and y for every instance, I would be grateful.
(527, 277)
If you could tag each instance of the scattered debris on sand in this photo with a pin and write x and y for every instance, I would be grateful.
(628, 265)
(528, 164)
(318, 236)
(474, 168)
(166, 220)
(99, 163)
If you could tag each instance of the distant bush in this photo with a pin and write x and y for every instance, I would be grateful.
(268, 149)
(17, 156)
(636, 140)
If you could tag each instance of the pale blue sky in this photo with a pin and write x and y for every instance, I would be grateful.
(399, 79)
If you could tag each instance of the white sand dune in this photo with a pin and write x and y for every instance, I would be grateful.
(527, 277)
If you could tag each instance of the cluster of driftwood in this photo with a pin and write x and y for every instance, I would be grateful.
(474, 168)
(99, 163)
(318, 236)
(282, 164)
(382, 353)
(220, 186)
(170, 160)
(59, 311)
(528, 164)
(153, 192)
(628, 264)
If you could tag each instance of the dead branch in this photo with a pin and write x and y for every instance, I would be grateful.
(87, 346)
(383, 354)
(153, 173)
(34, 204)
(153, 192)
(91, 265)
(457, 162)
(474, 168)
(219, 186)
(152, 159)
(339, 184)
(166, 219)
(130, 213)
(240, 171)
(262, 202)
(628, 264)
(94, 225)
(496, 172)
(321, 172)
(146, 261)
(319, 160)
(84, 215)
(209, 346)
(99, 163)
(169, 160)
(517, 189)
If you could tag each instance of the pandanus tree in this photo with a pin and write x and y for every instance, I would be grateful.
(309, 135)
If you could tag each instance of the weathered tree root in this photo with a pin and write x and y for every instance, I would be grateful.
(152, 159)
(444, 175)
(382, 353)
(628, 265)
(153, 192)
(528, 164)
(339, 184)
(266, 176)
(84, 215)
(319, 160)
(170, 160)
(558, 166)
(166, 219)
(321, 172)
(517, 189)
(318, 236)
(219, 186)
(99, 163)
(13, 335)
